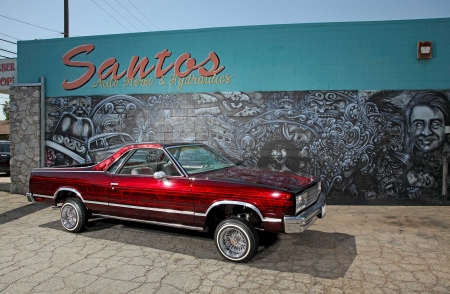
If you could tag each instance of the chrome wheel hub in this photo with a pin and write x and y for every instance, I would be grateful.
(233, 243)
(69, 216)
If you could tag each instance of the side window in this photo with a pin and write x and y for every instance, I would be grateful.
(113, 168)
(143, 162)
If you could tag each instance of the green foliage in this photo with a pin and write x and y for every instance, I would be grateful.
(6, 110)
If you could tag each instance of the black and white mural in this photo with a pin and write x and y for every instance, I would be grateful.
(363, 144)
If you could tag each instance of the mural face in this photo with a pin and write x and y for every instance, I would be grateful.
(362, 144)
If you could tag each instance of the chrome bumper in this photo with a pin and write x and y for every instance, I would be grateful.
(30, 197)
(299, 223)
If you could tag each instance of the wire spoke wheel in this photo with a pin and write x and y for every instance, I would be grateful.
(233, 242)
(69, 216)
(236, 239)
(74, 215)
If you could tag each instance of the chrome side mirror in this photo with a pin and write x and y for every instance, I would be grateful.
(159, 175)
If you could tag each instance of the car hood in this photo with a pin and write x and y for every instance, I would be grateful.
(284, 180)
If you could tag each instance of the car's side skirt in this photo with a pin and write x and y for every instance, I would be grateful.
(150, 222)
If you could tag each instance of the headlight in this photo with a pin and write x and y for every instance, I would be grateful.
(300, 202)
(307, 197)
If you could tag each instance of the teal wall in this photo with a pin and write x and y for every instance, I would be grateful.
(327, 56)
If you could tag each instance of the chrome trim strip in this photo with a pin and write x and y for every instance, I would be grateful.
(272, 220)
(68, 189)
(153, 209)
(96, 202)
(151, 222)
(42, 196)
(233, 202)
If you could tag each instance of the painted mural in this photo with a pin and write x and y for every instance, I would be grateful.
(362, 144)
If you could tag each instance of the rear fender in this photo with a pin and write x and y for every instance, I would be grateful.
(65, 192)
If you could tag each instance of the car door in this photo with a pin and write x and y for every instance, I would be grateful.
(136, 193)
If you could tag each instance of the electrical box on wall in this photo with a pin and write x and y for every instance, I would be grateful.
(424, 50)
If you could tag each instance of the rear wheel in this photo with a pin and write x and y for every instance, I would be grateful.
(236, 239)
(74, 215)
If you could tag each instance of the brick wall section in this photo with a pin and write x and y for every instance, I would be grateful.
(25, 135)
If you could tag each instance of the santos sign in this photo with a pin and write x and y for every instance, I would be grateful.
(7, 74)
(185, 69)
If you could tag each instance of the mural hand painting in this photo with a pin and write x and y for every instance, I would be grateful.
(362, 144)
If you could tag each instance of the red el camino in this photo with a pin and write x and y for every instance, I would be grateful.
(183, 185)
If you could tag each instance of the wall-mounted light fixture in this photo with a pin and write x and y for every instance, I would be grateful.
(424, 50)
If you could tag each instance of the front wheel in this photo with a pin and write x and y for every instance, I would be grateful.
(74, 215)
(236, 239)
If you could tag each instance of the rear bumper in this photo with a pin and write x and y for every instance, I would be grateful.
(299, 223)
(30, 197)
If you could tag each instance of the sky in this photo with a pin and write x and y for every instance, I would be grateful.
(44, 19)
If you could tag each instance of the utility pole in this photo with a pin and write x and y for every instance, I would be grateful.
(66, 18)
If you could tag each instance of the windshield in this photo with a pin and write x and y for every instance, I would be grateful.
(198, 158)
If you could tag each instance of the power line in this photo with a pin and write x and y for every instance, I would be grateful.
(121, 15)
(111, 16)
(9, 36)
(133, 15)
(143, 15)
(5, 56)
(8, 51)
(7, 41)
(31, 24)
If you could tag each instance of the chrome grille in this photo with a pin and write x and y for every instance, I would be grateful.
(313, 194)
(308, 197)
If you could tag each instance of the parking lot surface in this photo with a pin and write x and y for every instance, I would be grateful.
(354, 249)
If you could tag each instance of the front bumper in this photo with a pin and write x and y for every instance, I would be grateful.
(299, 223)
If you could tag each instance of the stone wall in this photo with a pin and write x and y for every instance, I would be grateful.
(25, 135)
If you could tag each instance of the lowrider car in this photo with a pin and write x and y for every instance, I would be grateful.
(183, 185)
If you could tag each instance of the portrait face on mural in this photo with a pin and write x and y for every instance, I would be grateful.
(427, 128)
(428, 114)
(279, 156)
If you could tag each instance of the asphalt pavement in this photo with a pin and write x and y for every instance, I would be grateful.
(354, 249)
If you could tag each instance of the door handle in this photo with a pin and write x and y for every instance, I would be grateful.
(114, 184)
